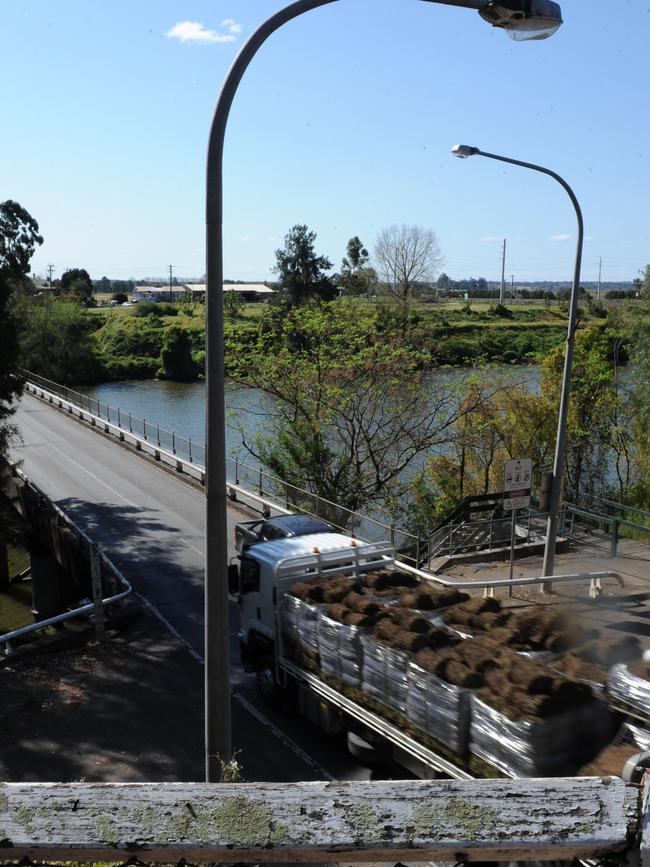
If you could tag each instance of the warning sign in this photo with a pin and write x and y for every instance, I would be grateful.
(517, 482)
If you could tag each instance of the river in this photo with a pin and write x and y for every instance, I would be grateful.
(180, 407)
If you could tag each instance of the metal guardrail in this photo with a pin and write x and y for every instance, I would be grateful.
(612, 505)
(490, 534)
(612, 524)
(99, 603)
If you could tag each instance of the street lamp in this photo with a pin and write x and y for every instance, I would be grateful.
(464, 151)
(532, 19)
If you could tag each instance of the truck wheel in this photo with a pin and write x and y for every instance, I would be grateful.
(270, 690)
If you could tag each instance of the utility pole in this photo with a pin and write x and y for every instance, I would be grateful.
(512, 287)
(50, 271)
(600, 274)
(502, 294)
(170, 281)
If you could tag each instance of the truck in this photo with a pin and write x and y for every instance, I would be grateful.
(249, 533)
(279, 636)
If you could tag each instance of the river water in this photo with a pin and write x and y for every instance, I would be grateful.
(180, 407)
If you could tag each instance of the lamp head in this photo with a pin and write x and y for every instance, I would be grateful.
(524, 19)
(464, 151)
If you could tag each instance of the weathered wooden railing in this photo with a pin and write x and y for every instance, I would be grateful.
(458, 821)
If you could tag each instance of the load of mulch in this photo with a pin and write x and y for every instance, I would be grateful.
(325, 589)
(476, 615)
(532, 629)
(429, 598)
(517, 687)
(388, 583)
(609, 762)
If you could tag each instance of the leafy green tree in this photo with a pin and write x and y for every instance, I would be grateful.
(55, 340)
(357, 278)
(176, 360)
(301, 272)
(77, 282)
(233, 303)
(350, 412)
(19, 238)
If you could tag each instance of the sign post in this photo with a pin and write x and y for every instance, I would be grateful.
(517, 476)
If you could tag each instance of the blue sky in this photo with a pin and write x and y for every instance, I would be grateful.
(344, 122)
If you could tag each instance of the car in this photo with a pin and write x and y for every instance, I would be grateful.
(250, 533)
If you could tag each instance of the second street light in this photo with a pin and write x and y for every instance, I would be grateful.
(522, 19)
(463, 151)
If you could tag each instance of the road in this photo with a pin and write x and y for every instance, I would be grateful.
(151, 524)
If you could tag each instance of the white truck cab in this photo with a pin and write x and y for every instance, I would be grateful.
(268, 570)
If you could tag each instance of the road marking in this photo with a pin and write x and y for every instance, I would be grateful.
(189, 545)
(157, 613)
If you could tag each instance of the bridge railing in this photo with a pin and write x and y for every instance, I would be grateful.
(457, 821)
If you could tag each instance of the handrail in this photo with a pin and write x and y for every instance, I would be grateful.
(607, 519)
(622, 507)
(8, 637)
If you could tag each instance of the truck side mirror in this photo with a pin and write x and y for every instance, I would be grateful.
(233, 579)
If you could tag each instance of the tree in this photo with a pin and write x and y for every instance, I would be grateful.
(19, 238)
(176, 355)
(356, 277)
(407, 257)
(55, 339)
(233, 303)
(77, 282)
(301, 272)
(349, 412)
(644, 286)
(357, 255)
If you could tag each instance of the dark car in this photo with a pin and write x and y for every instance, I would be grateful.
(281, 527)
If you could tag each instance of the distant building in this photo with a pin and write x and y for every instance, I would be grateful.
(251, 291)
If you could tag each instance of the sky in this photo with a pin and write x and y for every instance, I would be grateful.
(344, 121)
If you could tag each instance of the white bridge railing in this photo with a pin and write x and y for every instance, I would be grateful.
(455, 821)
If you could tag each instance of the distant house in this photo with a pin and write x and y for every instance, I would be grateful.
(251, 291)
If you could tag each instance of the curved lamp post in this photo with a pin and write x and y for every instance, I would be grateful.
(463, 151)
(522, 19)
